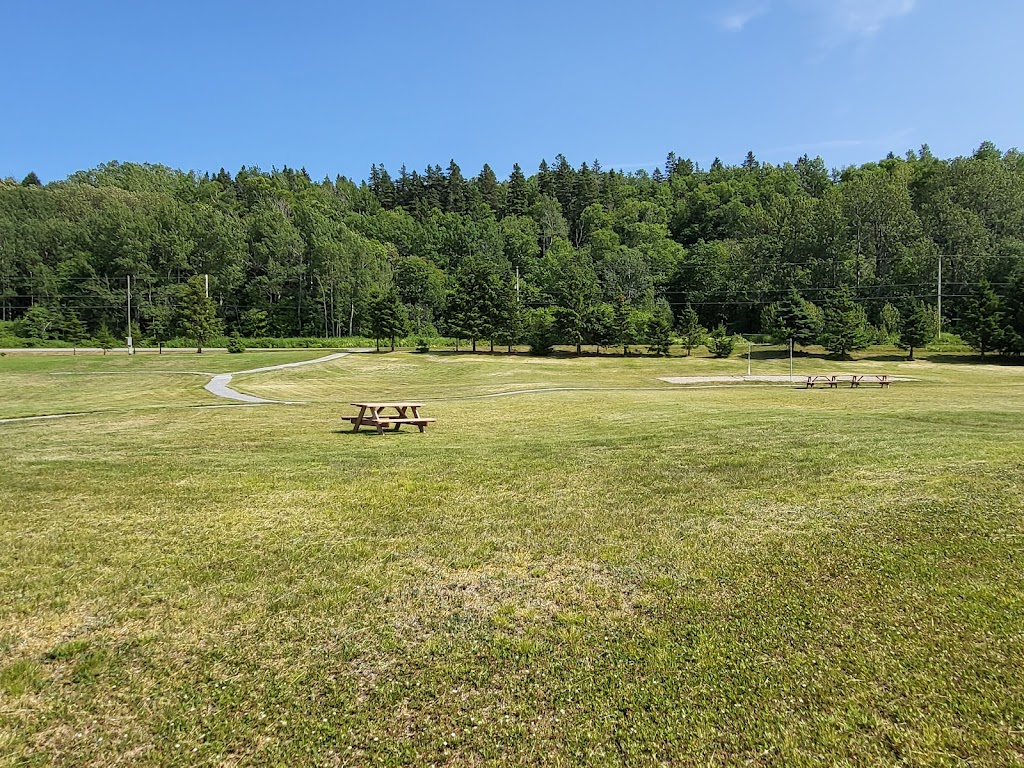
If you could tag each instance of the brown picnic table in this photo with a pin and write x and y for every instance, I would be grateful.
(379, 415)
(855, 380)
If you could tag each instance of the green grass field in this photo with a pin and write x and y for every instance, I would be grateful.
(622, 571)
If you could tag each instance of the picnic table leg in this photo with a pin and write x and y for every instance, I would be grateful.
(359, 419)
(375, 415)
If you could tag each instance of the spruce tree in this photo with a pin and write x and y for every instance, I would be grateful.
(388, 317)
(917, 327)
(74, 330)
(659, 334)
(197, 314)
(846, 325)
(982, 319)
(691, 332)
(105, 339)
(487, 184)
(625, 329)
(517, 201)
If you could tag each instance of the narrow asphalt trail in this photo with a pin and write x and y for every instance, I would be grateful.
(219, 383)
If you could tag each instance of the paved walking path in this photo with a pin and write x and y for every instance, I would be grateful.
(219, 383)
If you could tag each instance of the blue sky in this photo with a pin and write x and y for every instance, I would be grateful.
(336, 86)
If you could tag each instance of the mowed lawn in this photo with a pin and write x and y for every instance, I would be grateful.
(618, 572)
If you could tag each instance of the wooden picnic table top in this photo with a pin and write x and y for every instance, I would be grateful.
(387, 405)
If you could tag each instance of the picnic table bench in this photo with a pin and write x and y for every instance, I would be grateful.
(855, 379)
(832, 381)
(881, 379)
(372, 415)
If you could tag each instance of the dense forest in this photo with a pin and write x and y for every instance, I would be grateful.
(568, 255)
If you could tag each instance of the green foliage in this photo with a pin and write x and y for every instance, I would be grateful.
(659, 332)
(845, 328)
(39, 322)
(291, 258)
(720, 343)
(74, 331)
(541, 331)
(625, 332)
(793, 318)
(918, 327)
(982, 322)
(105, 339)
(691, 332)
(388, 317)
(197, 315)
(601, 325)
(890, 324)
(255, 322)
(235, 344)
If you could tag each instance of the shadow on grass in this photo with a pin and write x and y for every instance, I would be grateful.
(962, 359)
(372, 431)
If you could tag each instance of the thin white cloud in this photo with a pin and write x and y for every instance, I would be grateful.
(890, 141)
(737, 20)
(857, 18)
(841, 18)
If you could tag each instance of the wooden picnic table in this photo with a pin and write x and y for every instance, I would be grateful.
(856, 379)
(373, 415)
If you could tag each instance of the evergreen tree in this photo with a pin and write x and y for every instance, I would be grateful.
(1011, 336)
(105, 339)
(691, 332)
(476, 304)
(31, 180)
(456, 196)
(511, 330)
(516, 194)
(794, 318)
(197, 315)
(388, 317)
(540, 331)
(918, 327)
(74, 330)
(487, 184)
(982, 318)
(578, 292)
(845, 328)
(659, 334)
(625, 329)
(720, 343)
(601, 326)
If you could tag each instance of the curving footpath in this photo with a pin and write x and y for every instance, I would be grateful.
(218, 385)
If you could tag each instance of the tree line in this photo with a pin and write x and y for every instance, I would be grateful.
(567, 255)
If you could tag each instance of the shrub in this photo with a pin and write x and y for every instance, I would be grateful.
(422, 345)
(235, 345)
(720, 344)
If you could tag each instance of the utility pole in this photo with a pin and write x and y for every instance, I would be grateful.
(940, 293)
(207, 279)
(791, 361)
(130, 349)
(517, 285)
